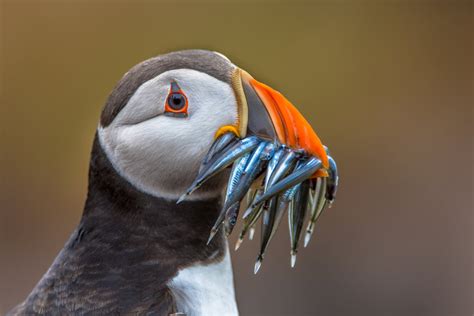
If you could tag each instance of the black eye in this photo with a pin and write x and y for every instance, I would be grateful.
(176, 101)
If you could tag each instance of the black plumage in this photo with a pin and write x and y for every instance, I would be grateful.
(126, 248)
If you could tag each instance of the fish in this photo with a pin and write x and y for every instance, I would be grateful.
(284, 165)
(268, 221)
(268, 179)
(246, 172)
(323, 196)
(284, 201)
(279, 165)
(317, 206)
(279, 153)
(236, 174)
(225, 159)
(231, 217)
(219, 144)
(250, 218)
(305, 171)
(332, 182)
(296, 215)
(234, 178)
(251, 172)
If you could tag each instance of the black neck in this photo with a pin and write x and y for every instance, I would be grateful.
(126, 249)
(177, 232)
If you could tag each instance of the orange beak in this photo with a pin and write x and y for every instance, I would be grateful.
(272, 116)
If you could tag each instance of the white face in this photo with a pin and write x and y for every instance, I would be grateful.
(159, 154)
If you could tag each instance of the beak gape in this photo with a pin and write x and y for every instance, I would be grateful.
(279, 164)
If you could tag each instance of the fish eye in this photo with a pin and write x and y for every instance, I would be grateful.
(176, 101)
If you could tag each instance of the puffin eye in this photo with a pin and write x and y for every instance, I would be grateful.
(176, 102)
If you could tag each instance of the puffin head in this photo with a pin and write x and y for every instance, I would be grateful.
(164, 114)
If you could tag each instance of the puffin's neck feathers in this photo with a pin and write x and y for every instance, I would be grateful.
(126, 250)
(178, 231)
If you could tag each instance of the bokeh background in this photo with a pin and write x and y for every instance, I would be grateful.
(387, 85)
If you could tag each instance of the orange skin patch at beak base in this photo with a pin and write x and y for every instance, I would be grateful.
(226, 129)
(291, 127)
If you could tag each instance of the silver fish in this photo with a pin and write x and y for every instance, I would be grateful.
(219, 144)
(285, 164)
(235, 176)
(282, 163)
(284, 201)
(273, 163)
(254, 167)
(306, 170)
(323, 195)
(225, 158)
(317, 206)
(268, 221)
(251, 171)
(267, 179)
(250, 207)
(279, 165)
(231, 217)
(332, 182)
(249, 196)
(250, 217)
(296, 216)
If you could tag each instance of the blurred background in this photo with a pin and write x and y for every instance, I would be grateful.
(387, 85)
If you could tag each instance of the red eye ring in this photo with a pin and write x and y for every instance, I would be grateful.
(176, 103)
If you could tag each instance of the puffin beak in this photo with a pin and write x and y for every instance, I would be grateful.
(277, 160)
(271, 116)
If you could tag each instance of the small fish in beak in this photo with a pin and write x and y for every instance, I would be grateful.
(318, 203)
(221, 142)
(254, 168)
(268, 221)
(225, 159)
(234, 179)
(279, 163)
(296, 217)
(250, 217)
(332, 182)
(306, 170)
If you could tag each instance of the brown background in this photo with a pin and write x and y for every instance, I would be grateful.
(387, 85)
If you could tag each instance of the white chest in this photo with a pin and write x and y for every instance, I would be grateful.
(206, 290)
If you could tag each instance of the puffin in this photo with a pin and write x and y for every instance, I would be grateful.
(141, 246)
